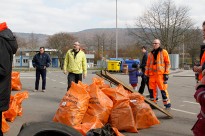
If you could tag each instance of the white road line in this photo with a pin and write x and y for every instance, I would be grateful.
(62, 83)
(191, 102)
(27, 77)
(53, 79)
(184, 111)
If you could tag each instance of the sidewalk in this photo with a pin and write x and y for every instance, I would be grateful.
(182, 73)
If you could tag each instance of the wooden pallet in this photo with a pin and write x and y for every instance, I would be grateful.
(112, 79)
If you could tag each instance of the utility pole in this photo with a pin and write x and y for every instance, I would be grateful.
(116, 33)
(183, 52)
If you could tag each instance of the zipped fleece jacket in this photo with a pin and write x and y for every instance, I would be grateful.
(41, 60)
(8, 47)
(75, 64)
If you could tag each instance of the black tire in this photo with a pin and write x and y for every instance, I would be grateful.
(47, 129)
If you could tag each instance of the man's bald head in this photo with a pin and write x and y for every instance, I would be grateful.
(156, 43)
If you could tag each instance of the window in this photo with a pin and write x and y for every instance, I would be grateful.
(17, 60)
(25, 60)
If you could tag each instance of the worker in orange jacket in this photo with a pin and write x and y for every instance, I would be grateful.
(157, 70)
(201, 67)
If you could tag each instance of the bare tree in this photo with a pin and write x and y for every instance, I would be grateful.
(163, 21)
(32, 42)
(193, 39)
(62, 42)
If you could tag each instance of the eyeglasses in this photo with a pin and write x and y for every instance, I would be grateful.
(155, 43)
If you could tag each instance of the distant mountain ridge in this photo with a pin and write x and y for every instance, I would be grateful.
(86, 35)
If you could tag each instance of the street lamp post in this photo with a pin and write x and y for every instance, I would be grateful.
(116, 33)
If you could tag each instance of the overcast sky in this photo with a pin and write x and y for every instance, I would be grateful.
(53, 16)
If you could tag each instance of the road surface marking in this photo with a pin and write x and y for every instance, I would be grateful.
(191, 102)
(53, 79)
(184, 111)
(62, 83)
(27, 77)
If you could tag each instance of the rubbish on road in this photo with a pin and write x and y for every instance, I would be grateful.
(73, 106)
(15, 81)
(112, 79)
(15, 109)
(87, 107)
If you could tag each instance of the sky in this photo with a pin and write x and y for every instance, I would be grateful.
(54, 16)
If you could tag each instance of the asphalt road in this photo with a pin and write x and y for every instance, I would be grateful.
(42, 106)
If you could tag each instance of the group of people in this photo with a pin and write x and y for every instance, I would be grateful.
(154, 72)
(75, 66)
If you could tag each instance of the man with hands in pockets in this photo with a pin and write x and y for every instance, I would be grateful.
(75, 64)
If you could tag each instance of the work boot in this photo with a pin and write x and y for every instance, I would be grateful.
(168, 107)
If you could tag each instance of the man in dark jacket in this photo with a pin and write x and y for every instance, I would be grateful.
(142, 66)
(41, 61)
(8, 47)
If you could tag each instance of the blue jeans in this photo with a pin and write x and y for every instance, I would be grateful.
(41, 72)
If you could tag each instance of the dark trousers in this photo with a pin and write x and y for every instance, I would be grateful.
(142, 86)
(41, 72)
(73, 77)
(1, 133)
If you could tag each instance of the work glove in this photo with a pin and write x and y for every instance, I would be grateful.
(166, 77)
(146, 78)
(197, 68)
(202, 81)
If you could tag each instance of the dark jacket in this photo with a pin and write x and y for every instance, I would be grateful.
(144, 61)
(133, 75)
(41, 60)
(8, 47)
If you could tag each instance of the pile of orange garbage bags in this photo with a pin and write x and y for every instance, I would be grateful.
(15, 108)
(87, 107)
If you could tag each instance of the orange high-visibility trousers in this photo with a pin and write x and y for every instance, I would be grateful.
(158, 80)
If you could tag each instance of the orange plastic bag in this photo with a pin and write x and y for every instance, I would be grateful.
(122, 118)
(11, 113)
(89, 122)
(100, 105)
(143, 114)
(121, 115)
(100, 82)
(73, 106)
(15, 81)
(117, 132)
(15, 108)
(5, 125)
(20, 97)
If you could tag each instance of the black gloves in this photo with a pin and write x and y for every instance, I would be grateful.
(146, 78)
(166, 77)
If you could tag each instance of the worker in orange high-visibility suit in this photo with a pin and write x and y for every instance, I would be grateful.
(200, 68)
(157, 70)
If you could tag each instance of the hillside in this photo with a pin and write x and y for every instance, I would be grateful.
(86, 36)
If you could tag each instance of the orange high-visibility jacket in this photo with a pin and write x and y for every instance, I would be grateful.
(161, 66)
(201, 64)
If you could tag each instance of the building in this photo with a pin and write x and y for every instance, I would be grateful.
(25, 58)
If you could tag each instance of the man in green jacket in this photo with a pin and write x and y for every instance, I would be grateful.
(75, 64)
